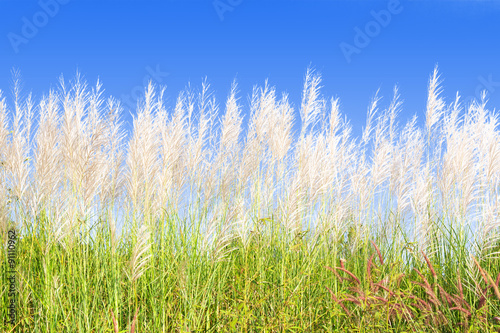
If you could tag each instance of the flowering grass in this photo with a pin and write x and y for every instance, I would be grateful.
(192, 224)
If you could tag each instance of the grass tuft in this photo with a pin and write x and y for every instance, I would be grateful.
(198, 224)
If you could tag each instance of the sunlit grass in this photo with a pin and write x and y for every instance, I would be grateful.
(183, 227)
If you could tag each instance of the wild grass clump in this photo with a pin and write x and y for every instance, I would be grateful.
(193, 222)
(386, 299)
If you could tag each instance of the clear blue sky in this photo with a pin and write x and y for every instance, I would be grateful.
(357, 46)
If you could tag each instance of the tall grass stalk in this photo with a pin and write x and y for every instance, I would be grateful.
(191, 224)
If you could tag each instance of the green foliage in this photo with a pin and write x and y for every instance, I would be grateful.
(183, 229)
(267, 286)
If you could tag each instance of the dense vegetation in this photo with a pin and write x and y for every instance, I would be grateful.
(192, 224)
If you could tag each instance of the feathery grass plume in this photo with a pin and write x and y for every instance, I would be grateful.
(312, 104)
(435, 104)
(360, 181)
(398, 167)
(253, 199)
(228, 222)
(72, 132)
(96, 164)
(382, 164)
(222, 177)
(459, 164)
(488, 235)
(430, 234)
(486, 160)
(465, 165)
(111, 189)
(280, 138)
(81, 147)
(208, 109)
(60, 223)
(312, 164)
(207, 105)
(411, 152)
(4, 129)
(4, 132)
(256, 155)
(489, 141)
(46, 193)
(279, 144)
(48, 168)
(393, 112)
(446, 177)
(451, 120)
(299, 189)
(172, 145)
(335, 120)
(372, 111)
(165, 182)
(142, 161)
(195, 154)
(251, 154)
(333, 139)
(18, 151)
(265, 179)
(292, 207)
(140, 254)
(228, 159)
(339, 166)
(381, 172)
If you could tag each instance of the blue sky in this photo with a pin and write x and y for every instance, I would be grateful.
(357, 46)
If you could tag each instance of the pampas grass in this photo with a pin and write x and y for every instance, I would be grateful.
(204, 227)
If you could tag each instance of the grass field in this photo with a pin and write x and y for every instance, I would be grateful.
(191, 224)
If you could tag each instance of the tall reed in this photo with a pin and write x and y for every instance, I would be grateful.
(191, 223)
